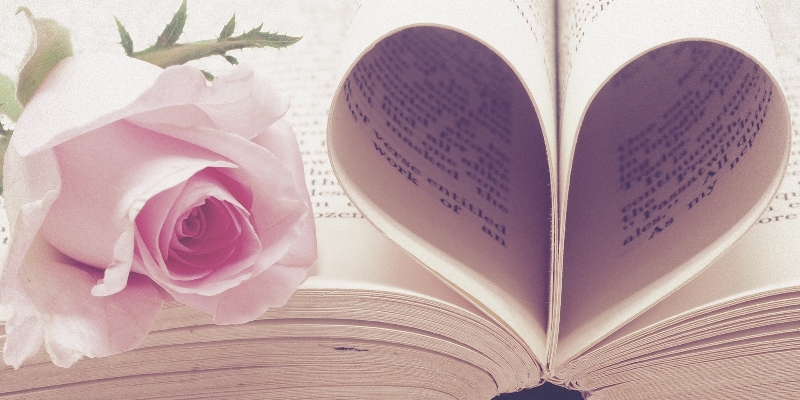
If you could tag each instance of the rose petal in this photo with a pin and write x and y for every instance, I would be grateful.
(255, 160)
(24, 334)
(281, 208)
(201, 186)
(172, 274)
(58, 111)
(92, 220)
(31, 185)
(239, 102)
(251, 299)
(160, 275)
(236, 268)
(152, 219)
(178, 95)
(280, 139)
(242, 102)
(28, 181)
(59, 310)
(216, 243)
(275, 191)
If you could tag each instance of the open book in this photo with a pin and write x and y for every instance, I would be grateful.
(563, 186)
(551, 199)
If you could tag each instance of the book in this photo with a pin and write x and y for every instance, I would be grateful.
(454, 311)
(578, 175)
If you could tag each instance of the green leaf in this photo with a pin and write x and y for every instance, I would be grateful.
(209, 76)
(174, 28)
(51, 44)
(266, 39)
(227, 30)
(8, 101)
(256, 29)
(125, 38)
(231, 59)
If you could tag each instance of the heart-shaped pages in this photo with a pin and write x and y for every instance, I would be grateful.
(444, 146)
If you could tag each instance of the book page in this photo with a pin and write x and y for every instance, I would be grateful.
(442, 133)
(673, 141)
(736, 316)
(765, 260)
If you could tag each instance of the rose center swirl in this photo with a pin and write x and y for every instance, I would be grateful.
(207, 234)
(194, 224)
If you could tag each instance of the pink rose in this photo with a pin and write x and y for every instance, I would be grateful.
(126, 184)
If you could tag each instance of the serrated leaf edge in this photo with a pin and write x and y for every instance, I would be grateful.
(125, 38)
(174, 29)
(228, 29)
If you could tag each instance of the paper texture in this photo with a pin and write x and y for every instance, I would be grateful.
(407, 140)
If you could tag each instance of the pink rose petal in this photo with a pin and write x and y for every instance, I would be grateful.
(278, 205)
(24, 335)
(58, 111)
(177, 95)
(243, 103)
(71, 322)
(271, 288)
(171, 273)
(281, 141)
(31, 186)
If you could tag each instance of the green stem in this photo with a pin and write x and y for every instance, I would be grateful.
(181, 53)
